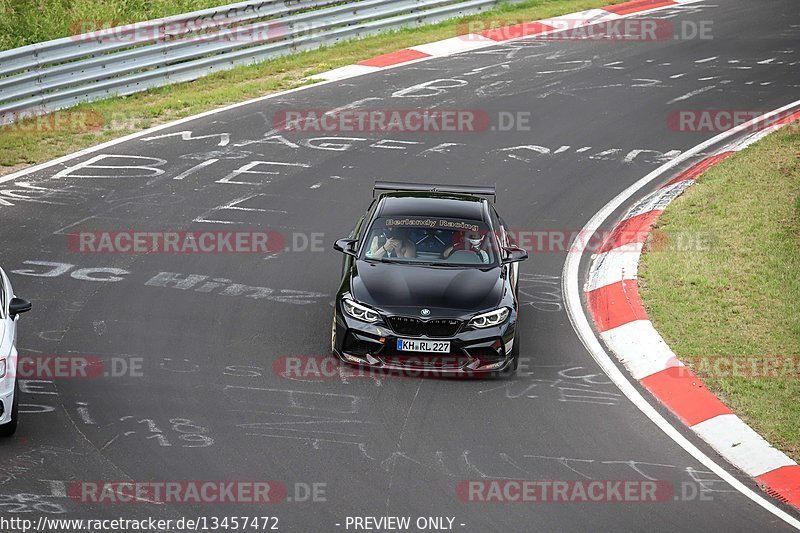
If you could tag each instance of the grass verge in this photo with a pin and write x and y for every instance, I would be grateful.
(732, 312)
(24, 22)
(27, 143)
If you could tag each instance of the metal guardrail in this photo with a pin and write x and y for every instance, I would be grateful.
(53, 75)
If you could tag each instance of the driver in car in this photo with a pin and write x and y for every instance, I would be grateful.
(470, 241)
(392, 242)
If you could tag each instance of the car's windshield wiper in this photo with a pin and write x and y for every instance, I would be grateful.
(396, 261)
(460, 265)
(441, 264)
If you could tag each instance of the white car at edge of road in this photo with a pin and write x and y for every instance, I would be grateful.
(10, 308)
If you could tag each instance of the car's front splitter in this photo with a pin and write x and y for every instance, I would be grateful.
(472, 351)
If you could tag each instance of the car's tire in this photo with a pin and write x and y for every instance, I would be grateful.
(512, 369)
(8, 429)
(515, 354)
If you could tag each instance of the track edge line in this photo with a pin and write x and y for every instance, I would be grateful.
(580, 322)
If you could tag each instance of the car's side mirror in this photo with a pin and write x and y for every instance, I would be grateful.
(346, 246)
(514, 255)
(18, 306)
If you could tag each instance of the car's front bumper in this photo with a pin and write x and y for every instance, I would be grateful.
(7, 382)
(7, 399)
(472, 351)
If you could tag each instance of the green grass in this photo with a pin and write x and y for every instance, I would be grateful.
(124, 115)
(24, 22)
(741, 297)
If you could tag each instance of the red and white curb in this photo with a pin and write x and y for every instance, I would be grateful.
(620, 319)
(474, 41)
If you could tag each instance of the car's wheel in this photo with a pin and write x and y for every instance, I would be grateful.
(6, 430)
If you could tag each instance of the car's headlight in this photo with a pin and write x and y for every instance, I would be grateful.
(2, 368)
(360, 312)
(492, 318)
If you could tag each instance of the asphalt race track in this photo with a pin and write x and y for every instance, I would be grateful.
(207, 403)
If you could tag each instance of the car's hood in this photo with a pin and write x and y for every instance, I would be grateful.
(391, 287)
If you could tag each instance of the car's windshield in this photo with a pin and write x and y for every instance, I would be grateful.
(431, 241)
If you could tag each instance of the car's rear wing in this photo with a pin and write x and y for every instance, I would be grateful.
(480, 190)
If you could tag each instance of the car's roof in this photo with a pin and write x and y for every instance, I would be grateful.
(429, 204)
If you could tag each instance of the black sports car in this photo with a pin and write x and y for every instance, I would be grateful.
(429, 283)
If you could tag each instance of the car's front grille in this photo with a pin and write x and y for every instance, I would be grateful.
(442, 327)
(437, 327)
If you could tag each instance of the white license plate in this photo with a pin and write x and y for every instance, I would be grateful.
(405, 345)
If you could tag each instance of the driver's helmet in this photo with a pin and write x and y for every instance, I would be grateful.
(394, 232)
(474, 239)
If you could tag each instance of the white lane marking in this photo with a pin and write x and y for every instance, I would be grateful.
(233, 205)
(248, 169)
(83, 410)
(149, 171)
(319, 184)
(691, 94)
(335, 111)
(706, 60)
(580, 321)
(194, 169)
(430, 88)
(188, 135)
